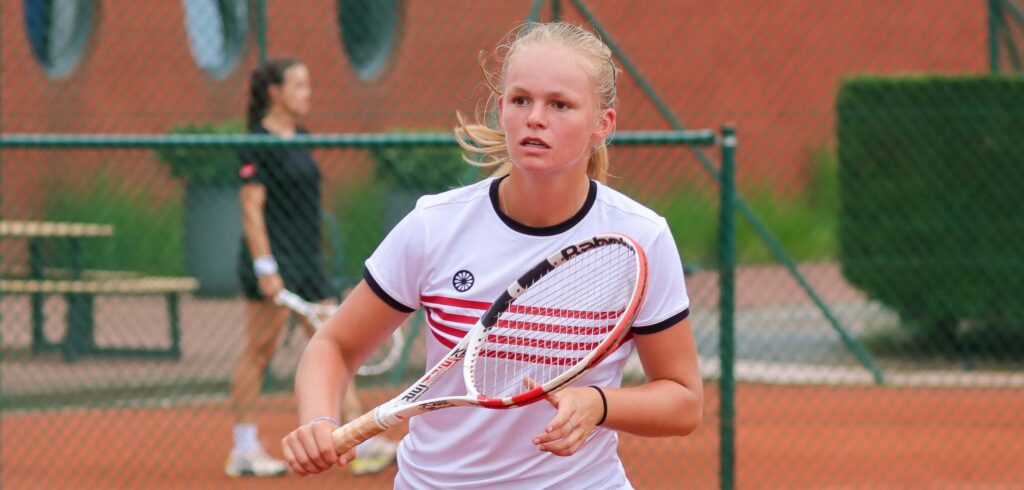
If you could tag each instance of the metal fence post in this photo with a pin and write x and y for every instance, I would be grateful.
(261, 29)
(994, 19)
(726, 307)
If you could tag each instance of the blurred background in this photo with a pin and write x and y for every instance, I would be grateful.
(873, 338)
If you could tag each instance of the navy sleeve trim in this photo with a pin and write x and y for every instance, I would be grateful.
(392, 302)
(662, 325)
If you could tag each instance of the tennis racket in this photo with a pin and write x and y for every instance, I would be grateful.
(552, 325)
(383, 359)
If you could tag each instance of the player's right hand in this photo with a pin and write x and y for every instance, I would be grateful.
(270, 285)
(309, 449)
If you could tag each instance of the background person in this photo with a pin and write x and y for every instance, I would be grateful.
(281, 221)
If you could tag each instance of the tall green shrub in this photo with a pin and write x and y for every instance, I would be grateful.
(932, 199)
(355, 226)
(407, 172)
(147, 232)
(204, 165)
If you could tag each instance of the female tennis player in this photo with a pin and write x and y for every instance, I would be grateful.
(554, 98)
(280, 201)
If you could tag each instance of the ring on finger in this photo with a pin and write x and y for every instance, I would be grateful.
(571, 427)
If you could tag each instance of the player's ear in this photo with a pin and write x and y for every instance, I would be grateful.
(604, 127)
(501, 111)
(274, 92)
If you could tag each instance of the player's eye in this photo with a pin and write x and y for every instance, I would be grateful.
(519, 100)
(560, 105)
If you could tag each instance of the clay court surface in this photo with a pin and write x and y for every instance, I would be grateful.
(788, 437)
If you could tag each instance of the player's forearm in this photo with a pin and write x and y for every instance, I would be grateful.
(254, 226)
(256, 238)
(320, 381)
(657, 409)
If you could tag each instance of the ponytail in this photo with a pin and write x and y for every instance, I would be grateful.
(270, 73)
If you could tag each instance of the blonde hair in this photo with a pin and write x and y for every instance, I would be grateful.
(484, 141)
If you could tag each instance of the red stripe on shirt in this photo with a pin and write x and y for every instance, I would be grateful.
(438, 330)
(586, 315)
(542, 343)
(552, 328)
(443, 328)
(459, 303)
(523, 310)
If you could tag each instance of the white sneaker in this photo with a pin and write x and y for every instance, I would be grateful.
(254, 463)
(379, 454)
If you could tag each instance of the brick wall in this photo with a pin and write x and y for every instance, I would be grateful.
(770, 67)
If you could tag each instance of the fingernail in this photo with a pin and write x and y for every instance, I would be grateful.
(536, 441)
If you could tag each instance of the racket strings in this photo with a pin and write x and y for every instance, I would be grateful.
(557, 322)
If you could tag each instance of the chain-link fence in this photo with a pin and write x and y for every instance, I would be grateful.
(877, 338)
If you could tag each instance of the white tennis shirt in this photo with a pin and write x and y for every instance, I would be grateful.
(454, 254)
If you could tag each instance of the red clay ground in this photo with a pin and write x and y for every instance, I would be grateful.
(788, 437)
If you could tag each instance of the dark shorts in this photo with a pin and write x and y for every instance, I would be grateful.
(304, 277)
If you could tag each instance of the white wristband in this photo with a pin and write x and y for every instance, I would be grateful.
(265, 265)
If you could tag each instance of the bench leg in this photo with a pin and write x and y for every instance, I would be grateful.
(37, 300)
(39, 341)
(175, 320)
(80, 337)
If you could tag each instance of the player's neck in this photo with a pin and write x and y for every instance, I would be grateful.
(280, 123)
(542, 202)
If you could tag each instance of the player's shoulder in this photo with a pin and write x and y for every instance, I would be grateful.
(622, 207)
(459, 197)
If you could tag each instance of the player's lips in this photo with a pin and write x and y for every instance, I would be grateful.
(532, 142)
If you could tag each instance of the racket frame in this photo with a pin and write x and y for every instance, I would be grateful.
(408, 403)
(317, 314)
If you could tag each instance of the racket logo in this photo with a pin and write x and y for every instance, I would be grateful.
(415, 392)
(574, 250)
(463, 280)
(435, 405)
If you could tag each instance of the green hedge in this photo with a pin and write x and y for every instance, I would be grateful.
(932, 199)
(204, 165)
(148, 230)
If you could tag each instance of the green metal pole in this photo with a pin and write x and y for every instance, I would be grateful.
(1009, 12)
(556, 10)
(261, 29)
(534, 15)
(727, 309)
(994, 21)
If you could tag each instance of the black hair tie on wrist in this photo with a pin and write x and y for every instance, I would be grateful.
(604, 403)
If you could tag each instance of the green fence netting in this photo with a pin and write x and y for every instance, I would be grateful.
(867, 261)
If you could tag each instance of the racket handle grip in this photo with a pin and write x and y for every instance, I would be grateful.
(355, 432)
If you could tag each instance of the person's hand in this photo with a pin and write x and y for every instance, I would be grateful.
(309, 449)
(579, 410)
(270, 285)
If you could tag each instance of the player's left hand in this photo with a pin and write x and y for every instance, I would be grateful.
(579, 409)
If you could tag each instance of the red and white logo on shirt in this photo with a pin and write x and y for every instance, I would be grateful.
(248, 170)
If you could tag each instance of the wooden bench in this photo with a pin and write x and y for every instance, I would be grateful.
(80, 339)
(22, 272)
(14, 228)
